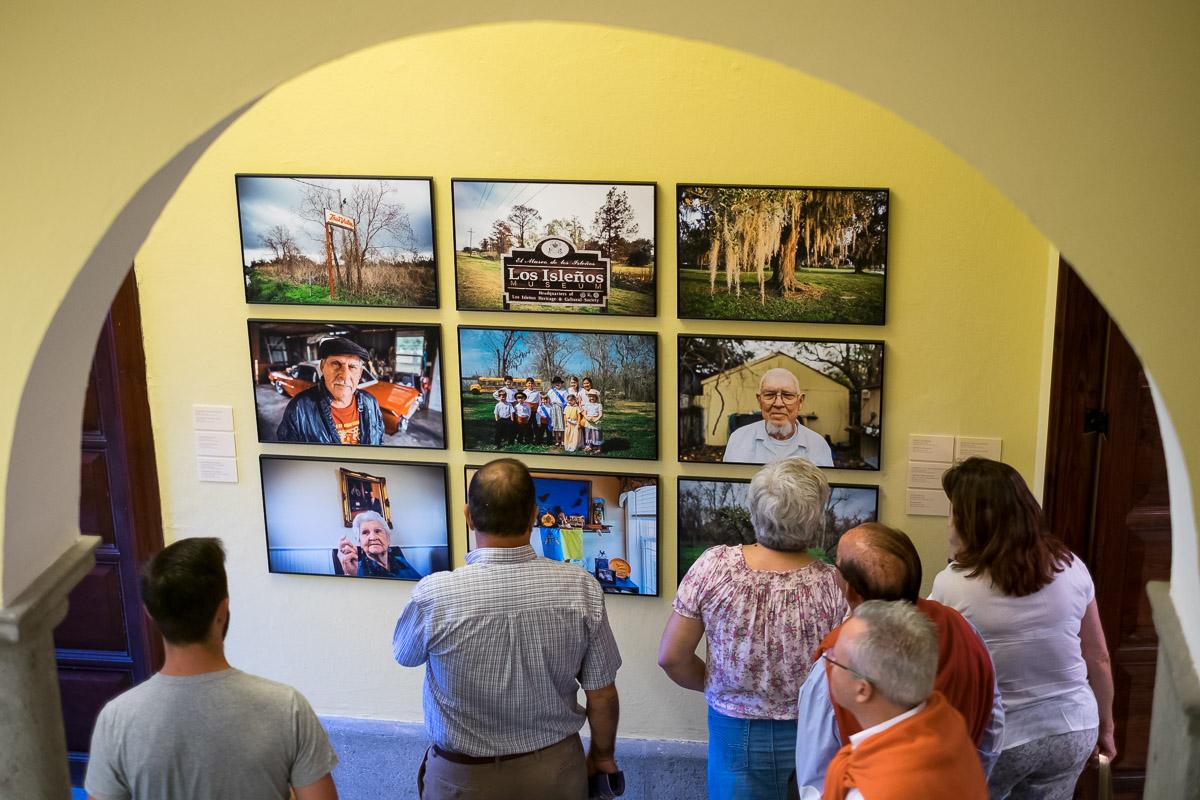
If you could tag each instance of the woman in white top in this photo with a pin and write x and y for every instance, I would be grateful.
(1033, 603)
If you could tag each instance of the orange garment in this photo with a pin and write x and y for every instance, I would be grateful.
(926, 756)
(346, 422)
(965, 674)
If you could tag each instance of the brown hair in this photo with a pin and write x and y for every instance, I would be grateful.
(1001, 527)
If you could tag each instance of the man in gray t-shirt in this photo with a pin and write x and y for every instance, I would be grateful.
(200, 728)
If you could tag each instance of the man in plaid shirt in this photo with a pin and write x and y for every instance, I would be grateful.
(509, 640)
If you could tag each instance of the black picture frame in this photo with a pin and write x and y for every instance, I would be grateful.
(396, 403)
(650, 301)
(264, 290)
(286, 564)
(840, 297)
(700, 438)
(652, 479)
(687, 551)
(633, 441)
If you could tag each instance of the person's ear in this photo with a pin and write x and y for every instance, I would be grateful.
(467, 517)
(221, 618)
(864, 692)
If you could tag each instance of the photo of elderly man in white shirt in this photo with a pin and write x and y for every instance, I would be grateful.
(779, 434)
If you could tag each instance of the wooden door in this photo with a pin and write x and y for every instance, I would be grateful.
(106, 644)
(1106, 495)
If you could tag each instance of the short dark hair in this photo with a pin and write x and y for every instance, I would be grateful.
(890, 571)
(500, 498)
(182, 587)
(508, 377)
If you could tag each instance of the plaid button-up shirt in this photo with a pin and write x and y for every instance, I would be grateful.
(509, 639)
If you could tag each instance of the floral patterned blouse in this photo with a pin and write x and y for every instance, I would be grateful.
(761, 629)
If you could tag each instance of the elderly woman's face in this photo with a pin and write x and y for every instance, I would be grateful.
(373, 538)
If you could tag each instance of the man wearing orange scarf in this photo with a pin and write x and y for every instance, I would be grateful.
(880, 563)
(913, 744)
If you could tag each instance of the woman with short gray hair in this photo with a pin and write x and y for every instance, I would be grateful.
(764, 608)
(373, 555)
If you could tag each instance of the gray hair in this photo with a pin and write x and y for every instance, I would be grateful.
(368, 516)
(897, 650)
(787, 504)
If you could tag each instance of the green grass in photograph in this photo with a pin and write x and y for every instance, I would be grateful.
(688, 553)
(827, 296)
(630, 429)
(418, 292)
(478, 280)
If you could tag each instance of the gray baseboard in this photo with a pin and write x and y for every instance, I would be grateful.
(380, 759)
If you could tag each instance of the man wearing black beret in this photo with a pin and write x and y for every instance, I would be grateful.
(334, 411)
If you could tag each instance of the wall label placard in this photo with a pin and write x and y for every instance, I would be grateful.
(555, 273)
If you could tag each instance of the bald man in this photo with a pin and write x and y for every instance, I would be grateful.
(778, 434)
(877, 562)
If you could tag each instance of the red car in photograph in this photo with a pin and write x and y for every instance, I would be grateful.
(397, 402)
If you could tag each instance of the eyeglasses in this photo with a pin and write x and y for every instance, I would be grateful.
(787, 397)
(851, 670)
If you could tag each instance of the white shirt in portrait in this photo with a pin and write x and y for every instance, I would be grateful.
(750, 444)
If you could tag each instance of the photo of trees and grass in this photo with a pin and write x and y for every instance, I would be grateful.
(614, 219)
(380, 252)
(621, 368)
(713, 511)
(783, 254)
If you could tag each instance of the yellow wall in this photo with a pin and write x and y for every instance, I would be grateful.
(966, 294)
(1085, 115)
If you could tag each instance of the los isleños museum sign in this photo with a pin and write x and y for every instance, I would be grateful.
(553, 272)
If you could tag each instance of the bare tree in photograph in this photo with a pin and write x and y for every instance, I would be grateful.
(522, 220)
(614, 221)
(597, 347)
(633, 358)
(507, 348)
(366, 203)
(282, 243)
(546, 351)
(702, 357)
(855, 366)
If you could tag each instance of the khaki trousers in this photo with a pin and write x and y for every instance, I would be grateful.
(558, 772)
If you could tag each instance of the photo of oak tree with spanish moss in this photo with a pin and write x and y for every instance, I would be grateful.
(784, 254)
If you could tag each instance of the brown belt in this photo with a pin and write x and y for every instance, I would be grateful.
(463, 758)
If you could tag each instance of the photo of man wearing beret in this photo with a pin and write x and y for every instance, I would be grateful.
(334, 410)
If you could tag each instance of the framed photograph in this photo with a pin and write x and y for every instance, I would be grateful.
(752, 401)
(347, 383)
(605, 524)
(318, 524)
(363, 492)
(716, 511)
(582, 247)
(782, 253)
(559, 392)
(337, 240)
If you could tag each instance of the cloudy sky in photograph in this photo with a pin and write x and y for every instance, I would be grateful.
(477, 204)
(267, 201)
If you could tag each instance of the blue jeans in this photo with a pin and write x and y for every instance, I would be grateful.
(749, 759)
